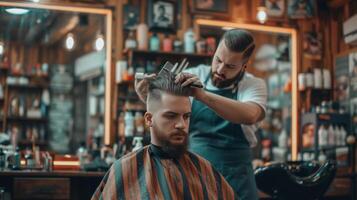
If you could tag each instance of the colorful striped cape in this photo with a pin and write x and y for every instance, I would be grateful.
(149, 174)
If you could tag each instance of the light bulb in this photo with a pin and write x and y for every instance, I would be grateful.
(17, 11)
(99, 43)
(1, 48)
(262, 15)
(70, 41)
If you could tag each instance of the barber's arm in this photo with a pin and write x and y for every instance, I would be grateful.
(234, 111)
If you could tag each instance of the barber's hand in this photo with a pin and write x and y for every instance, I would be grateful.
(141, 86)
(187, 79)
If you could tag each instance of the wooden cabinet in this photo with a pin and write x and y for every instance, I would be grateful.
(49, 185)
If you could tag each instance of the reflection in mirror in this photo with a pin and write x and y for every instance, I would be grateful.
(271, 61)
(53, 71)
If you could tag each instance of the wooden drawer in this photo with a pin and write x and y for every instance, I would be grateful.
(41, 188)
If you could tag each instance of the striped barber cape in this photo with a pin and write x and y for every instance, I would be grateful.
(150, 174)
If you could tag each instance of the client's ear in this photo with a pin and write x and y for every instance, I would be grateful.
(148, 119)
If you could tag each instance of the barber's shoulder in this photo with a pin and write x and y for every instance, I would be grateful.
(250, 80)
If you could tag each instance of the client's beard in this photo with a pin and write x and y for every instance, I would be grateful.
(175, 151)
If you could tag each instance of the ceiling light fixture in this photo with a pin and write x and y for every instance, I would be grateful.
(2, 48)
(69, 42)
(99, 42)
(262, 15)
(16, 11)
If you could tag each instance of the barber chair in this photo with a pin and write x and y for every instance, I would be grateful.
(295, 180)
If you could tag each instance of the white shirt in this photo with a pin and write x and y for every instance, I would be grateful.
(250, 89)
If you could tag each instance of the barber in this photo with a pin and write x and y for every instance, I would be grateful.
(227, 111)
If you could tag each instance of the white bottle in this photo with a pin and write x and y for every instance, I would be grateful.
(129, 124)
(322, 157)
(322, 136)
(327, 78)
(331, 135)
(139, 123)
(338, 136)
(142, 36)
(137, 141)
(343, 135)
(283, 139)
(189, 41)
(317, 78)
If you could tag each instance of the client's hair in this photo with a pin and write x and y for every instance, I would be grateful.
(165, 83)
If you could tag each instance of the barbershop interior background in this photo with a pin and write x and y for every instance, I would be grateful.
(68, 106)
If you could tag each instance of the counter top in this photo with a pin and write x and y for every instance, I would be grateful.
(56, 173)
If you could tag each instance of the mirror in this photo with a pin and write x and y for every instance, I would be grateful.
(274, 60)
(56, 75)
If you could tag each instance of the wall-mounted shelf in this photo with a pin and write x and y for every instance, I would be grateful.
(26, 119)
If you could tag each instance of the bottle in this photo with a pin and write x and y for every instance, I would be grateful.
(326, 79)
(343, 135)
(82, 153)
(130, 42)
(301, 81)
(154, 43)
(189, 41)
(337, 136)
(283, 139)
(167, 44)
(129, 124)
(322, 134)
(137, 143)
(331, 135)
(317, 78)
(2, 159)
(139, 123)
(142, 36)
(211, 45)
(121, 125)
(17, 159)
(177, 45)
(309, 79)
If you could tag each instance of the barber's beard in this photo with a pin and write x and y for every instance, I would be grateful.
(225, 82)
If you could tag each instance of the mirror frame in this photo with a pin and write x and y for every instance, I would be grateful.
(109, 71)
(294, 64)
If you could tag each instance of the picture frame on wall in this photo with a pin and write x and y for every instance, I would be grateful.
(131, 17)
(162, 16)
(213, 8)
(300, 9)
(275, 8)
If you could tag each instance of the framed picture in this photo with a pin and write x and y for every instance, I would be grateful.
(300, 9)
(162, 15)
(215, 8)
(275, 8)
(131, 17)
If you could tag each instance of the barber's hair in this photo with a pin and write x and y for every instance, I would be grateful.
(166, 83)
(240, 41)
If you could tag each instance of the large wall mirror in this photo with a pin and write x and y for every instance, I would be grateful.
(56, 75)
(275, 61)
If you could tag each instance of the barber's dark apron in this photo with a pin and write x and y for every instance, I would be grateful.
(223, 144)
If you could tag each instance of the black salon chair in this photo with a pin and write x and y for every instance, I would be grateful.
(295, 180)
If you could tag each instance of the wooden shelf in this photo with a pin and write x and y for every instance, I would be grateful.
(31, 76)
(147, 54)
(37, 142)
(27, 87)
(27, 120)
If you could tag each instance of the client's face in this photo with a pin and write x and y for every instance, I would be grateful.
(170, 122)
